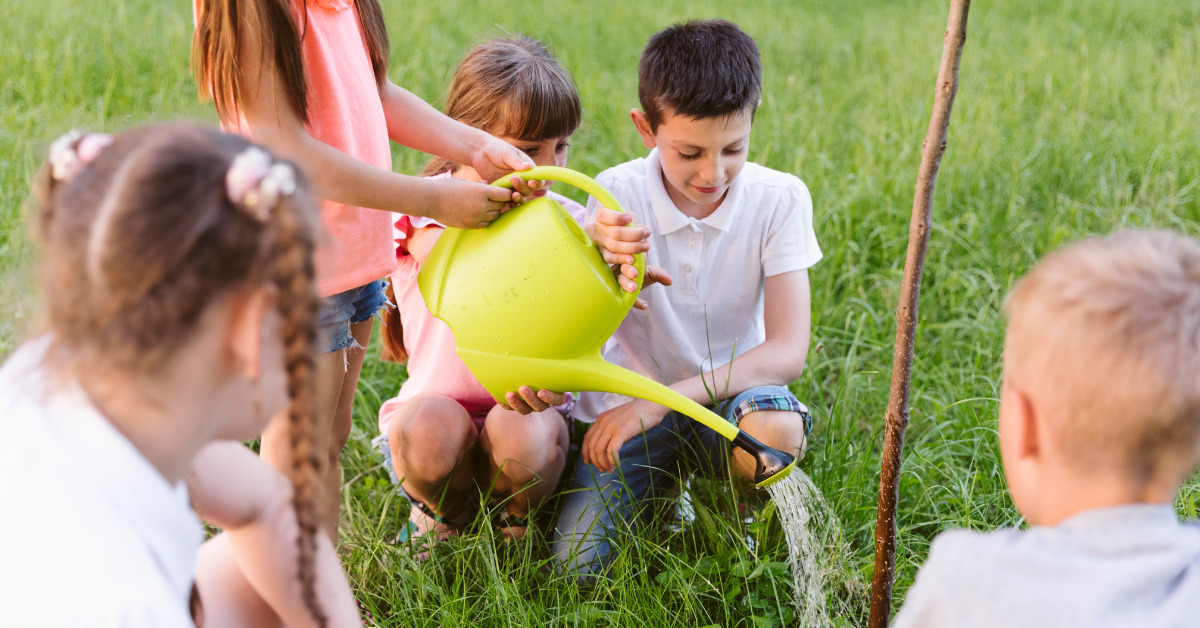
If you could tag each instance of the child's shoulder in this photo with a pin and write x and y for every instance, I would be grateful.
(773, 183)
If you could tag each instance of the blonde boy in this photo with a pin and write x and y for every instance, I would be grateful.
(1099, 426)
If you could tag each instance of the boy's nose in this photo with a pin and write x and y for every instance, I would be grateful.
(712, 171)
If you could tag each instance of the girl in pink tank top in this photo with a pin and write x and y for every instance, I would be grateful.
(443, 433)
(308, 80)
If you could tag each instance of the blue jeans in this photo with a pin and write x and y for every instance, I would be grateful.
(343, 309)
(599, 508)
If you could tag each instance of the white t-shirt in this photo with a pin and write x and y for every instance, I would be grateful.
(91, 534)
(762, 228)
(1132, 566)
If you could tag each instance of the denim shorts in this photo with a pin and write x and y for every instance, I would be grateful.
(598, 504)
(341, 310)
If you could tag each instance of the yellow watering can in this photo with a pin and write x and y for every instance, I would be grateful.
(531, 302)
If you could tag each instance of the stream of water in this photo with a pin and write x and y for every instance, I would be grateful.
(817, 550)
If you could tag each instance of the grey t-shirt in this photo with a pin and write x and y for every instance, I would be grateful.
(1134, 565)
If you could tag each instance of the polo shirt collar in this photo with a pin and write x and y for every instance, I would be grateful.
(159, 513)
(669, 217)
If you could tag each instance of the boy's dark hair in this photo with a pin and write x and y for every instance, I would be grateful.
(699, 69)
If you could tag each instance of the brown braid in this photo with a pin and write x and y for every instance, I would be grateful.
(291, 271)
(150, 220)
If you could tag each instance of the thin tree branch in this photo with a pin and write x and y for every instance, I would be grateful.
(906, 315)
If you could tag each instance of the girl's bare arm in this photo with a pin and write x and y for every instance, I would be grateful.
(234, 489)
(339, 177)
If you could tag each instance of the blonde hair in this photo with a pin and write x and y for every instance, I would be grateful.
(513, 87)
(1104, 335)
(140, 241)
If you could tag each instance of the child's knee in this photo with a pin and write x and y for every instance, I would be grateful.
(781, 430)
(530, 438)
(431, 427)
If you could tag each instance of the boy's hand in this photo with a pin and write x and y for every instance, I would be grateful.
(526, 402)
(618, 238)
(467, 205)
(654, 275)
(603, 440)
(494, 158)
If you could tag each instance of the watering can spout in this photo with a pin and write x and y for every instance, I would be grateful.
(591, 372)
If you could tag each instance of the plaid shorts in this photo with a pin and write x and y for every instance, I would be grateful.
(783, 401)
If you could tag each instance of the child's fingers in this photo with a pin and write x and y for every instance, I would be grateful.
(624, 239)
(606, 216)
(640, 304)
(615, 258)
(594, 451)
(614, 454)
(532, 400)
(515, 402)
(496, 194)
(552, 398)
(622, 274)
(525, 188)
(654, 275)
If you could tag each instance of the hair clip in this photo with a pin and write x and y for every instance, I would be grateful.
(74, 150)
(255, 184)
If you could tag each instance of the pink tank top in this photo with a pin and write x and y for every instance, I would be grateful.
(344, 111)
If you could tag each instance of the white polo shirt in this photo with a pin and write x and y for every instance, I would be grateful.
(719, 264)
(91, 534)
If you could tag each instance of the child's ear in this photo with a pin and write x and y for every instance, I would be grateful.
(248, 310)
(642, 124)
(1025, 423)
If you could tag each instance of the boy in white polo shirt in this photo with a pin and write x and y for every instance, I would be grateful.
(737, 239)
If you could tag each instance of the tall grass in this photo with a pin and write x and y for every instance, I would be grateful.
(1073, 118)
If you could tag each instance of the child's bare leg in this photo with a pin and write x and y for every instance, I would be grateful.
(778, 429)
(431, 438)
(526, 455)
(337, 377)
(343, 418)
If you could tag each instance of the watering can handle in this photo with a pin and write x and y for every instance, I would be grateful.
(589, 185)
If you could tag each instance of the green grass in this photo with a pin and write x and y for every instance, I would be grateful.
(1072, 118)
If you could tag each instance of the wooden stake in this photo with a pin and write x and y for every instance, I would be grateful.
(906, 315)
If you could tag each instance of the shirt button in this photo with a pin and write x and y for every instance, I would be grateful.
(691, 245)
(687, 268)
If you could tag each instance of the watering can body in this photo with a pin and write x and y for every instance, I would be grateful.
(531, 301)
(523, 296)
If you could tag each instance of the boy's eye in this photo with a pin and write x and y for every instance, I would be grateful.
(561, 146)
(689, 157)
(530, 150)
(734, 151)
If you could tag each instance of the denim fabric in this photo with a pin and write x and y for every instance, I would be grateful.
(340, 310)
(599, 507)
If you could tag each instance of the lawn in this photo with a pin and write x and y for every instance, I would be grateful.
(1073, 118)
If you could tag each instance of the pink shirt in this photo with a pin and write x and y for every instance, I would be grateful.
(433, 362)
(344, 111)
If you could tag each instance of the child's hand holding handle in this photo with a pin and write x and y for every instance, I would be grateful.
(619, 241)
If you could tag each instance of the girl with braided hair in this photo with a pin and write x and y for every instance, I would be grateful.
(177, 277)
